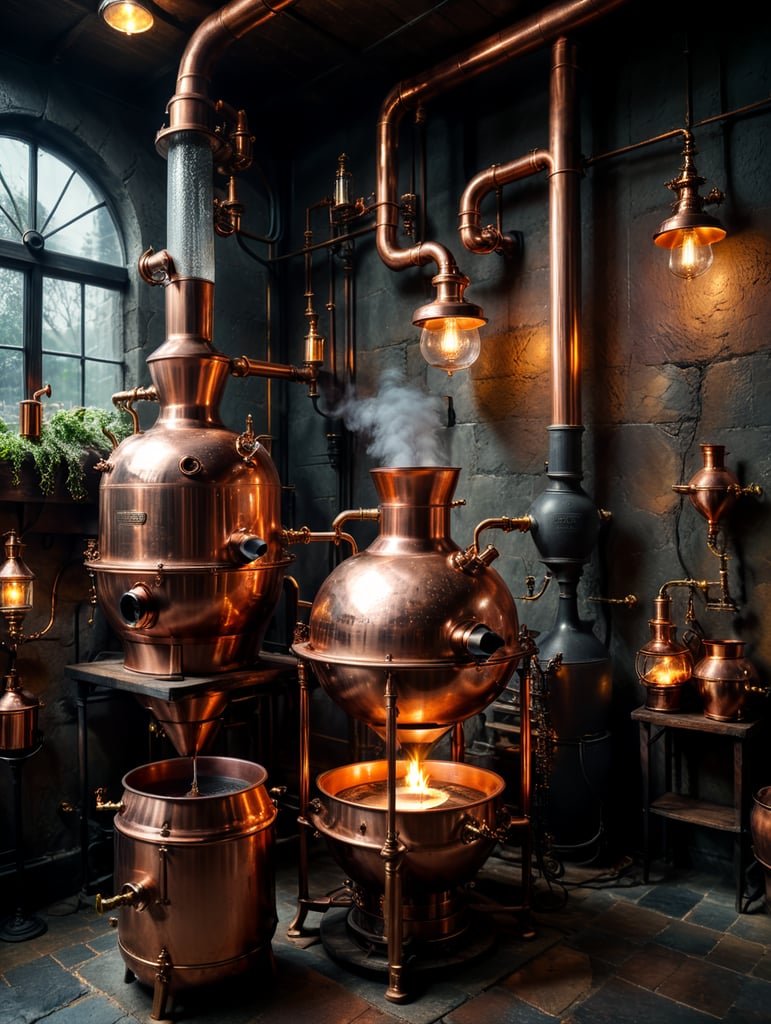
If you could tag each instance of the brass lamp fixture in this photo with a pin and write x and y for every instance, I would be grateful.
(450, 325)
(19, 736)
(127, 16)
(664, 665)
(690, 233)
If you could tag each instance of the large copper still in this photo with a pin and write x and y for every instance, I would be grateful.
(441, 622)
(190, 562)
(412, 637)
(194, 863)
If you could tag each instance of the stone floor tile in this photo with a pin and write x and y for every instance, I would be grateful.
(736, 954)
(672, 900)
(497, 1005)
(688, 938)
(712, 914)
(618, 1002)
(602, 945)
(553, 981)
(632, 921)
(702, 985)
(650, 966)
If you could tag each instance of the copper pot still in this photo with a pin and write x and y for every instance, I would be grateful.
(760, 829)
(446, 630)
(196, 873)
(724, 679)
(190, 561)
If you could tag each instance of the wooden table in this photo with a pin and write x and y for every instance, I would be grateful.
(673, 805)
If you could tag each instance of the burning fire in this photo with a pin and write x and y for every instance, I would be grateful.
(414, 790)
(415, 778)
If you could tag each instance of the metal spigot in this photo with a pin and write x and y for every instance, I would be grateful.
(131, 895)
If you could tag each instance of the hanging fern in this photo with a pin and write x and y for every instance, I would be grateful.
(65, 440)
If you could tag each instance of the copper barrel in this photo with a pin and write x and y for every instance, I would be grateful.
(190, 562)
(195, 873)
(446, 632)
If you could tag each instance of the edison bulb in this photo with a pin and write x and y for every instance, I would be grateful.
(691, 258)
(449, 345)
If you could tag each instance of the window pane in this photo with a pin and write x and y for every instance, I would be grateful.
(61, 316)
(14, 188)
(11, 308)
(64, 374)
(11, 385)
(102, 327)
(103, 380)
(64, 199)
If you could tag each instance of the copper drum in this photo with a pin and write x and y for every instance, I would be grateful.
(19, 711)
(191, 563)
(402, 608)
(437, 857)
(201, 867)
(724, 678)
(760, 827)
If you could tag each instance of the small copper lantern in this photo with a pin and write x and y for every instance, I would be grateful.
(664, 665)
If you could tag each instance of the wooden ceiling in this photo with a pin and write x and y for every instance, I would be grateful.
(315, 52)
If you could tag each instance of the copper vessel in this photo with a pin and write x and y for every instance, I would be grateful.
(724, 678)
(409, 607)
(760, 828)
(195, 872)
(19, 710)
(444, 845)
(714, 489)
(190, 562)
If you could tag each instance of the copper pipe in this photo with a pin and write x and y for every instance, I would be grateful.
(528, 35)
(190, 108)
(475, 238)
(564, 238)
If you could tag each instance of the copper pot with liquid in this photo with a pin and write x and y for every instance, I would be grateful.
(194, 863)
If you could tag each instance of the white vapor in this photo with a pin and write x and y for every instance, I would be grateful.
(402, 424)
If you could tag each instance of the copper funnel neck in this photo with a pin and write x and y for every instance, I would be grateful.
(190, 723)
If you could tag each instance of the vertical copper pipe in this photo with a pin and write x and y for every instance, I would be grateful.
(564, 237)
(392, 855)
(295, 928)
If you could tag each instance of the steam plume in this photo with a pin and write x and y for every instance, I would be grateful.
(402, 424)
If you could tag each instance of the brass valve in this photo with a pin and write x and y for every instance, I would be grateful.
(106, 805)
(131, 895)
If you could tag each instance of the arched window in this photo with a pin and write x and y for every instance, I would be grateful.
(62, 271)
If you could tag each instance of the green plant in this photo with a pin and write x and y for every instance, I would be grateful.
(65, 440)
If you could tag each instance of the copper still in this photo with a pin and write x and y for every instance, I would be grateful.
(725, 679)
(441, 622)
(411, 636)
(190, 561)
(192, 837)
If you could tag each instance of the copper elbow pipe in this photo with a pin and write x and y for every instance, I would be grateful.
(528, 35)
(475, 238)
(190, 108)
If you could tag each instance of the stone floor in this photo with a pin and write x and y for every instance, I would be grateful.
(608, 949)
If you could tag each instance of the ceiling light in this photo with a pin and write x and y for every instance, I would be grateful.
(127, 16)
(690, 233)
(450, 336)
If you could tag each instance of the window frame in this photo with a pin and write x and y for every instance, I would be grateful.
(35, 265)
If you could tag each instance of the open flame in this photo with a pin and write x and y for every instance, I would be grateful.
(415, 778)
(414, 791)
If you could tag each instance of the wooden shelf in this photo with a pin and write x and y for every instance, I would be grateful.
(698, 812)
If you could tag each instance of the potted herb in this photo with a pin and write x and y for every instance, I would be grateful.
(70, 444)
